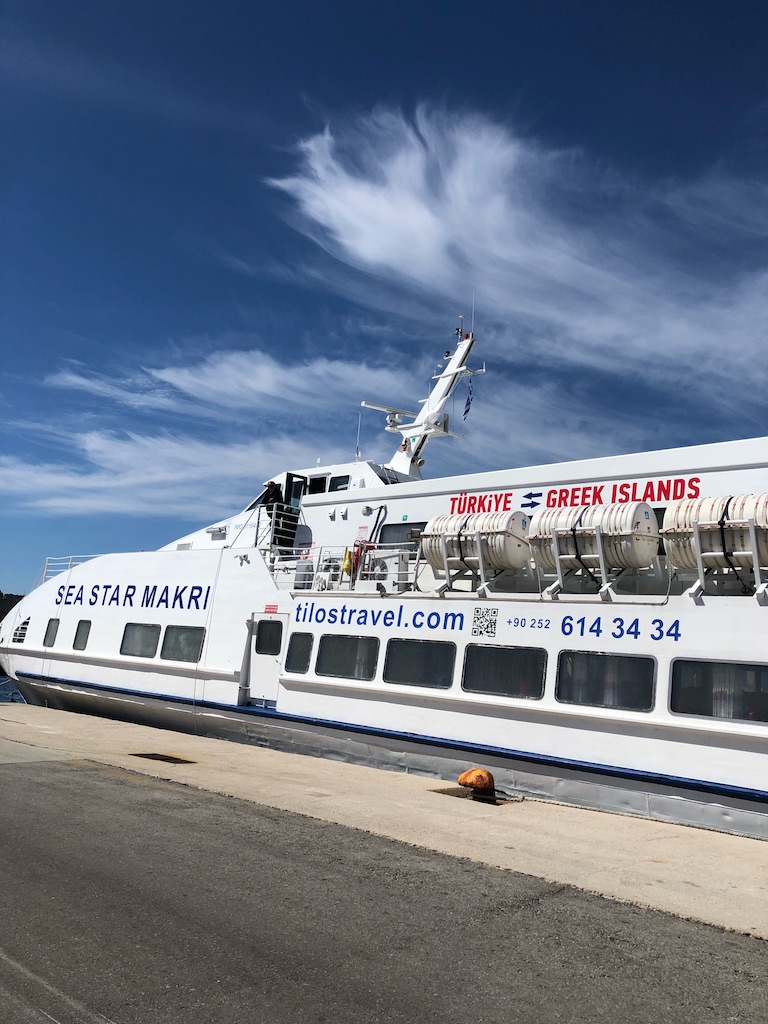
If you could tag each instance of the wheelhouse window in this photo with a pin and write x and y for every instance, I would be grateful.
(269, 636)
(505, 671)
(605, 680)
(317, 484)
(339, 483)
(420, 663)
(720, 689)
(347, 657)
(182, 643)
(50, 634)
(299, 653)
(82, 633)
(140, 640)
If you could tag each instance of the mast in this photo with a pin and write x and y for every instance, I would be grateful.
(430, 421)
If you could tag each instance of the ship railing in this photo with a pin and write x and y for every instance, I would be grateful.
(57, 564)
(363, 567)
(276, 532)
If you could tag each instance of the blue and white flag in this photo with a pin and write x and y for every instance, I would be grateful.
(469, 399)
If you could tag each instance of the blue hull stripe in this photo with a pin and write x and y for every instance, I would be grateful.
(434, 741)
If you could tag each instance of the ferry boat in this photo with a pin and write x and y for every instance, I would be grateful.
(594, 632)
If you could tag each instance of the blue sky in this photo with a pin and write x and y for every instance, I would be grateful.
(223, 225)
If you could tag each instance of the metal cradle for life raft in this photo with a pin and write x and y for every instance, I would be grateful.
(602, 541)
(456, 546)
(726, 534)
(595, 539)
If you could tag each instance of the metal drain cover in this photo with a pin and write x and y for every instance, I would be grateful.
(168, 758)
(465, 793)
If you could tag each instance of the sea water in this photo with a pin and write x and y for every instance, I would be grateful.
(8, 692)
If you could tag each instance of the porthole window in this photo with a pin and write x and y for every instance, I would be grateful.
(140, 640)
(299, 653)
(605, 680)
(50, 634)
(269, 636)
(347, 657)
(720, 689)
(420, 663)
(505, 671)
(182, 643)
(82, 633)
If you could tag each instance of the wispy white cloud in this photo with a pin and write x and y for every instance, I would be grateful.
(138, 392)
(298, 413)
(166, 474)
(614, 315)
(256, 380)
(584, 268)
(178, 474)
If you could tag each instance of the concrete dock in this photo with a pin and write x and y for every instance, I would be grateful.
(132, 898)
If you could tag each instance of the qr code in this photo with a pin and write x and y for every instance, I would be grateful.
(484, 621)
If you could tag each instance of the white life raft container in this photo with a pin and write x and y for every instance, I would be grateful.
(723, 531)
(629, 533)
(502, 538)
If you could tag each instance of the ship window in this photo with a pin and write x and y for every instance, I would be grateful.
(317, 484)
(140, 640)
(183, 643)
(505, 671)
(420, 663)
(20, 633)
(299, 653)
(269, 636)
(81, 634)
(720, 689)
(50, 634)
(402, 535)
(605, 680)
(349, 657)
(339, 483)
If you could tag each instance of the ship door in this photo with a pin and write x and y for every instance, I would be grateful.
(295, 488)
(268, 638)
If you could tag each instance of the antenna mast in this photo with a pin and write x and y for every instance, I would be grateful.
(357, 443)
(431, 421)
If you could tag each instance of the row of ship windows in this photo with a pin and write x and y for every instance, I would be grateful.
(710, 689)
(140, 640)
(731, 690)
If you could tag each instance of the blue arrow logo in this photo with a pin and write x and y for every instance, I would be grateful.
(530, 496)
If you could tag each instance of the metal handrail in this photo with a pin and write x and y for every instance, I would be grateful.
(57, 564)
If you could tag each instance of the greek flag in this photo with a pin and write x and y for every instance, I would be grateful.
(469, 399)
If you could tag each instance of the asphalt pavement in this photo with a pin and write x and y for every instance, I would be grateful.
(132, 899)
